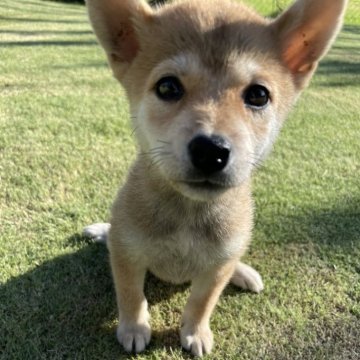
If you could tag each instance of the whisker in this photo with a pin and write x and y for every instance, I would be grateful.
(163, 142)
(134, 130)
(156, 155)
(255, 162)
(157, 162)
(156, 148)
(152, 151)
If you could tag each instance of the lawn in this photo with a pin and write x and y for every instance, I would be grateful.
(65, 147)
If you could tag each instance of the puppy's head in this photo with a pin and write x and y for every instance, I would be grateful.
(210, 82)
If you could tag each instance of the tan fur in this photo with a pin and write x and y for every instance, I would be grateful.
(161, 222)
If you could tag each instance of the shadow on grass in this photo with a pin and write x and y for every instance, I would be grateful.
(67, 1)
(152, 2)
(50, 3)
(46, 43)
(45, 32)
(352, 29)
(38, 20)
(42, 11)
(45, 310)
(66, 308)
(344, 69)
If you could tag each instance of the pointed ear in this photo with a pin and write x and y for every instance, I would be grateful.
(113, 22)
(305, 32)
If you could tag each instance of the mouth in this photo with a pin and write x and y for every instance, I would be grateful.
(202, 189)
(205, 185)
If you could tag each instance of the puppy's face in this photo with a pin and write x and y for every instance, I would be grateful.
(206, 128)
(210, 82)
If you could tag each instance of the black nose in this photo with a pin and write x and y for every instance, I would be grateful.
(209, 154)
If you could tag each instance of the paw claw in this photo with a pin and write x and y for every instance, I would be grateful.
(198, 341)
(133, 337)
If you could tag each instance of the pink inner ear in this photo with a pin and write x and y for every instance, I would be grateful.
(300, 51)
(126, 46)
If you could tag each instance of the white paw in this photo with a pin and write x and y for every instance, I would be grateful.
(98, 232)
(197, 340)
(247, 278)
(133, 337)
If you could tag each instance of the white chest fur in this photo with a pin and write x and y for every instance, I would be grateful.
(183, 255)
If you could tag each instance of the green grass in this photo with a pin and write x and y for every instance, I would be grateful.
(272, 7)
(65, 146)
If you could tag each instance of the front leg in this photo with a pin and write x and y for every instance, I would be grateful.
(134, 330)
(195, 333)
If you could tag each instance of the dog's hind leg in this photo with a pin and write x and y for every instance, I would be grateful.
(98, 232)
(247, 278)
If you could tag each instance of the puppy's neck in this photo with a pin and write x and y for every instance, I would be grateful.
(155, 208)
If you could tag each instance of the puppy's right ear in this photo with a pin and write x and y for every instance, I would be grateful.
(113, 22)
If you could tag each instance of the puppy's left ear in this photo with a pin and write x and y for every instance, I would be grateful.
(305, 32)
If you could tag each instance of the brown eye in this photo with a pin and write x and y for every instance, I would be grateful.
(169, 88)
(256, 96)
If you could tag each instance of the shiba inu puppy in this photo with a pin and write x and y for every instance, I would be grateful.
(209, 83)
